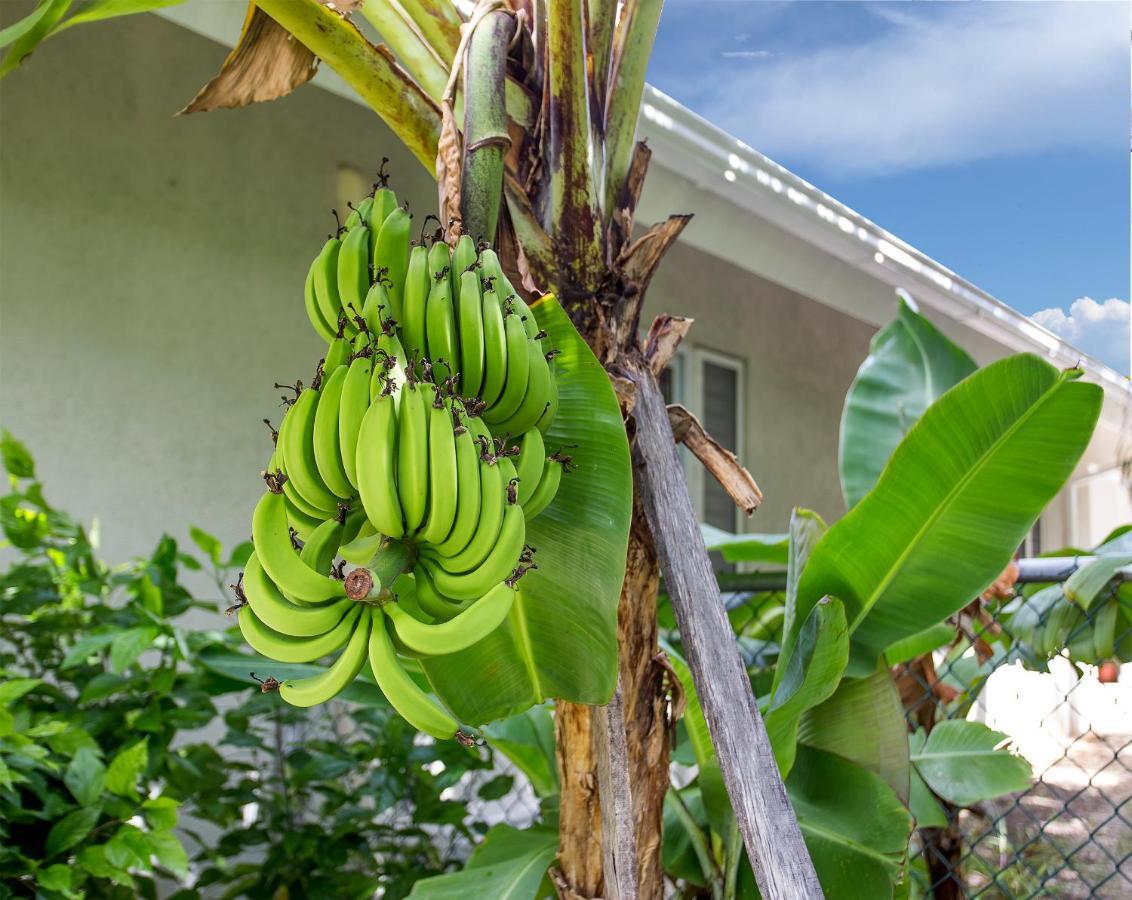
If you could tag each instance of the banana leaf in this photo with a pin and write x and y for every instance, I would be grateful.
(560, 639)
(854, 825)
(910, 364)
(770, 549)
(1083, 586)
(863, 722)
(964, 763)
(528, 741)
(508, 865)
(940, 524)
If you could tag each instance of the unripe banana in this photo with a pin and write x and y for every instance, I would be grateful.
(468, 494)
(322, 545)
(432, 602)
(360, 215)
(354, 270)
(464, 257)
(296, 443)
(303, 523)
(495, 348)
(337, 355)
(280, 614)
(376, 467)
(352, 408)
(536, 402)
(547, 418)
(472, 625)
(378, 308)
(272, 541)
(440, 329)
(546, 490)
(288, 649)
(531, 460)
(362, 549)
(391, 253)
(327, 444)
(403, 694)
(497, 565)
(493, 497)
(412, 319)
(326, 283)
(384, 202)
(469, 313)
(443, 487)
(314, 313)
(412, 454)
(490, 267)
(518, 373)
(327, 685)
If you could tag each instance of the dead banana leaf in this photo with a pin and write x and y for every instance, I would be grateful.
(266, 63)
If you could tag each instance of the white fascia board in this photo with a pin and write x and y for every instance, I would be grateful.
(693, 149)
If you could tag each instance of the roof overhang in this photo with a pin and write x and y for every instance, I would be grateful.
(751, 190)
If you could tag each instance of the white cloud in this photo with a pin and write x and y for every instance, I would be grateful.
(1100, 329)
(944, 85)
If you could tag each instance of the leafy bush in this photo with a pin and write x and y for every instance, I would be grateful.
(104, 692)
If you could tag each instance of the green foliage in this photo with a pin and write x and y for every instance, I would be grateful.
(910, 366)
(961, 762)
(509, 865)
(105, 772)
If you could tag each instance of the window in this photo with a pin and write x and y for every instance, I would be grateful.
(719, 391)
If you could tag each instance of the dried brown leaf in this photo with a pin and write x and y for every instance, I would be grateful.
(266, 63)
(717, 459)
(448, 171)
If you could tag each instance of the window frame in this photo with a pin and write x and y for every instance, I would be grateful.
(694, 386)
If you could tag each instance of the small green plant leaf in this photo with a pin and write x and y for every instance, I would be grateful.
(527, 739)
(1084, 585)
(71, 830)
(85, 776)
(17, 459)
(209, 545)
(125, 769)
(966, 762)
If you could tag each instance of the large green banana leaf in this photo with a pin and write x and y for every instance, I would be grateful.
(954, 502)
(910, 364)
(863, 722)
(508, 865)
(560, 639)
(965, 763)
(854, 825)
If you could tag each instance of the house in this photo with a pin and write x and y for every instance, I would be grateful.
(152, 272)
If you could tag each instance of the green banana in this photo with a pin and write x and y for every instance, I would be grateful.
(296, 441)
(532, 459)
(472, 625)
(355, 520)
(412, 318)
(403, 694)
(280, 614)
(464, 257)
(471, 328)
(326, 282)
(493, 495)
(388, 347)
(432, 602)
(326, 440)
(491, 267)
(412, 453)
(329, 684)
(442, 484)
(391, 253)
(500, 562)
(302, 523)
(272, 541)
(495, 348)
(384, 202)
(314, 313)
(378, 308)
(547, 418)
(352, 408)
(376, 467)
(440, 329)
(546, 490)
(322, 545)
(285, 648)
(359, 215)
(467, 495)
(518, 372)
(353, 270)
(362, 549)
(536, 401)
(337, 355)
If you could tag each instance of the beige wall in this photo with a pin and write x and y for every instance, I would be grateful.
(151, 272)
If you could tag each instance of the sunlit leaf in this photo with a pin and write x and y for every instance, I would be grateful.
(965, 762)
(508, 865)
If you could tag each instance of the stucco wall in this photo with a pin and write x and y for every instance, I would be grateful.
(151, 272)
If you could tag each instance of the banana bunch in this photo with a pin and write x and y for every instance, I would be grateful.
(416, 455)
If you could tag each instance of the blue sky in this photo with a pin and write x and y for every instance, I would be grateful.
(992, 136)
